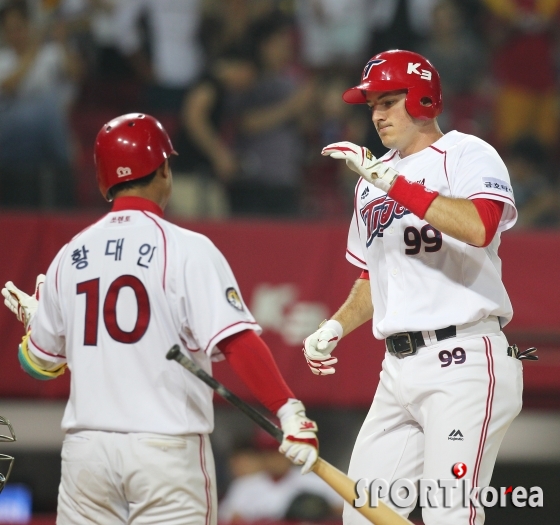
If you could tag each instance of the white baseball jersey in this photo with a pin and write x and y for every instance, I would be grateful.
(116, 298)
(420, 278)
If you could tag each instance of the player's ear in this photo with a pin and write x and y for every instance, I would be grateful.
(165, 169)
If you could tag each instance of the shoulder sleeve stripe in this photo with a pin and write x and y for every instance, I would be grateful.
(37, 347)
(164, 246)
(499, 197)
(211, 342)
(357, 258)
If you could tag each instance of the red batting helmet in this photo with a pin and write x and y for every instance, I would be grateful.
(397, 69)
(130, 147)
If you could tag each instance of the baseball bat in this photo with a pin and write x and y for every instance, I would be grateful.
(340, 482)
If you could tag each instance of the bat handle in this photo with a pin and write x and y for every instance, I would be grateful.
(173, 353)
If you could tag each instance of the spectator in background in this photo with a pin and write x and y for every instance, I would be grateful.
(330, 186)
(536, 197)
(523, 35)
(399, 24)
(37, 81)
(270, 142)
(276, 491)
(461, 62)
(334, 33)
(109, 63)
(226, 23)
(160, 38)
(207, 160)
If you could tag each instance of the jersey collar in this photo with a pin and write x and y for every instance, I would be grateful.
(137, 203)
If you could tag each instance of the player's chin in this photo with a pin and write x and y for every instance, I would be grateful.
(385, 137)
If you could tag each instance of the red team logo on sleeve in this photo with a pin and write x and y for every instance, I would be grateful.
(379, 214)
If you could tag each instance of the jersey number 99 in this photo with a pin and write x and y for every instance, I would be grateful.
(91, 290)
(428, 234)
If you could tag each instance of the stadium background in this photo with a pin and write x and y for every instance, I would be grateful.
(280, 219)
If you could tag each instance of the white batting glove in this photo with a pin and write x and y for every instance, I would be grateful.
(317, 348)
(300, 444)
(362, 161)
(21, 304)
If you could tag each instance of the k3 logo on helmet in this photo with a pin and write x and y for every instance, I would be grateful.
(123, 172)
(373, 62)
(233, 298)
(379, 214)
(413, 69)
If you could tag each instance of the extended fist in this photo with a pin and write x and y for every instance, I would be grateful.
(22, 305)
(300, 444)
(362, 161)
(318, 346)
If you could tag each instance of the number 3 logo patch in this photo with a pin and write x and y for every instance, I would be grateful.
(233, 298)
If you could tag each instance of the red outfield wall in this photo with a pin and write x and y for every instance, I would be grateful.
(292, 275)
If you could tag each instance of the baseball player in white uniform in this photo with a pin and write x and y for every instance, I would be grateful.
(425, 234)
(114, 300)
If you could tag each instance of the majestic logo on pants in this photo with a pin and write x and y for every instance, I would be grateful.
(455, 435)
(379, 214)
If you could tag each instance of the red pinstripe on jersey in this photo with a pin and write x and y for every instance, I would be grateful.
(164, 247)
(485, 423)
(206, 479)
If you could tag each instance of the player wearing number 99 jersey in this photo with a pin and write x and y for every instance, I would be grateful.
(113, 302)
(425, 234)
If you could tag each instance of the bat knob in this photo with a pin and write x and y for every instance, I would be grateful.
(173, 353)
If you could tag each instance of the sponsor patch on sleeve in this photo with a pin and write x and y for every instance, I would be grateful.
(233, 298)
(490, 183)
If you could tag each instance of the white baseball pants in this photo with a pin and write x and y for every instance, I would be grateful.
(420, 404)
(111, 478)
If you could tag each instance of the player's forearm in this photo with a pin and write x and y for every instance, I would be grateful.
(457, 218)
(357, 309)
(252, 361)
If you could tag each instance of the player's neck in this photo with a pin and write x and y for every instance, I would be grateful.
(153, 192)
(424, 137)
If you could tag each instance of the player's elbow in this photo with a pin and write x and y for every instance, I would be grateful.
(477, 236)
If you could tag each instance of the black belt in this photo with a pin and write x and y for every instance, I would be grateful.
(404, 344)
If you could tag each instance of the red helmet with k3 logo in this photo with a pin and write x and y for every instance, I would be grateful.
(398, 69)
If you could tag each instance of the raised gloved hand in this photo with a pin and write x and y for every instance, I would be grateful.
(300, 444)
(362, 161)
(21, 304)
(318, 346)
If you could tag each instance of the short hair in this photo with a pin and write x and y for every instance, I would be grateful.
(130, 184)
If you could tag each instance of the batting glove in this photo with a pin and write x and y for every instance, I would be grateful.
(21, 304)
(300, 444)
(318, 346)
(362, 161)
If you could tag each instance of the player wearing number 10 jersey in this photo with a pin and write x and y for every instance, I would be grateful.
(114, 300)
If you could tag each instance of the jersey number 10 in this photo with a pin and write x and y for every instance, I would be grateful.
(91, 290)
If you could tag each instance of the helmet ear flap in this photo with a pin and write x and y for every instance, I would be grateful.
(422, 106)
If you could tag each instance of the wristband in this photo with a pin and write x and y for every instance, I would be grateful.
(333, 325)
(32, 368)
(413, 196)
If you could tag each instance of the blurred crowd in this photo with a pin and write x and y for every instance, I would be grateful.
(250, 91)
(263, 486)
